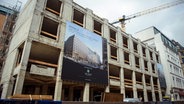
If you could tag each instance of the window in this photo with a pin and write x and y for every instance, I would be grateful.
(137, 62)
(151, 55)
(49, 28)
(173, 81)
(19, 56)
(126, 58)
(135, 47)
(153, 67)
(147, 80)
(53, 6)
(157, 58)
(125, 41)
(144, 51)
(171, 67)
(113, 53)
(97, 27)
(146, 65)
(114, 72)
(182, 60)
(78, 18)
(112, 36)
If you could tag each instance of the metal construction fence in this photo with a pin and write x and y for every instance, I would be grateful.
(7, 101)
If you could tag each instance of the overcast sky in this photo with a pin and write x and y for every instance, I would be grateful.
(169, 21)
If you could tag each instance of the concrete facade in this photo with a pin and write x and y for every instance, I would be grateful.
(169, 59)
(132, 72)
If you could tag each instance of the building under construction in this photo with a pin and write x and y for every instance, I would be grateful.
(36, 62)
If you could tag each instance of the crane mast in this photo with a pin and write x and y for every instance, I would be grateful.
(148, 11)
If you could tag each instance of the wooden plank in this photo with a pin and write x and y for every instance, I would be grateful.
(53, 11)
(31, 97)
(127, 80)
(135, 51)
(43, 63)
(113, 40)
(113, 77)
(137, 66)
(113, 57)
(127, 62)
(146, 69)
(147, 84)
(97, 32)
(112, 97)
(129, 84)
(138, 82)
(78, 23)
(48, 34)
(125, 45)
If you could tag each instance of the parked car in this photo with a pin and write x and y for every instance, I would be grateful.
(131, 100)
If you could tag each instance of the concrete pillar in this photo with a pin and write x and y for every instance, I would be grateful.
(122, 84)
(152, 89)
(44, 89)
(144, 88)
(21, 75)
(59, 82)
(147, 52)
(19, 82)
(105, 29)
(132, 58)
(159, 90)
(86, 92)
(67, 10)
(139, 48)
(70, 93)
(89, 20)
(7, 89)
(134, 84)
(120, 54)
(58, 90)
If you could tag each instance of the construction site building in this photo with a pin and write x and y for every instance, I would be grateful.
(35, 58)
(169, 59)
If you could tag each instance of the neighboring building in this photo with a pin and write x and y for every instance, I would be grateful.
(180, 49)
(7, 21)
(169, 59)
(35, 58)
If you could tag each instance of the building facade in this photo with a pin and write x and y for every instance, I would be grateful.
(35, 58)
(169, 59)
(180, 49)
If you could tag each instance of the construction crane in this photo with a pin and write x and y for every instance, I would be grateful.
(151, 10)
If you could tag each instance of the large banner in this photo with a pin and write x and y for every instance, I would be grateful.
(161, 75)
(85, 56)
